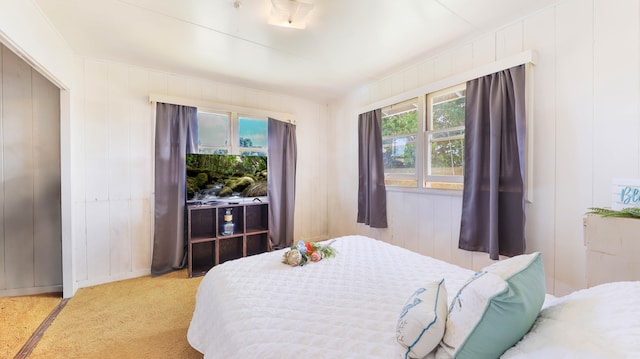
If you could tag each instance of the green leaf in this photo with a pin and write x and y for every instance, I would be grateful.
(623, 213)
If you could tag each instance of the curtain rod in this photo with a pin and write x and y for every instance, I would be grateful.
(175, 100)
(526, 57)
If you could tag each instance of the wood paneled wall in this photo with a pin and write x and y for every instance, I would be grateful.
(586, 132)
(112, 162)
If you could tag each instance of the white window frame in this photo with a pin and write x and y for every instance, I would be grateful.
(233, 139)
(236, 133)
(229, 134)
(390, 176)
(423, 148)
(528, 58)
(452, 181)
(210, 106)
(154, 98)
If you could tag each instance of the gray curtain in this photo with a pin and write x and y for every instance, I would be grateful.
(372, 194)
(493, 199)
(176, 135)
(282, 153)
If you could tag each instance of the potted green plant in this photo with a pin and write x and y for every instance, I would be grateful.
(631, 212)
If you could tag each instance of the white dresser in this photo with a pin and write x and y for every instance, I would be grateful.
(613, 249)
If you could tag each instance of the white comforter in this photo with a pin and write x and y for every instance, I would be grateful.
(596, 323)
(348, 307)
(342, 307)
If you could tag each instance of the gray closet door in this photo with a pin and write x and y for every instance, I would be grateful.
(30, 224)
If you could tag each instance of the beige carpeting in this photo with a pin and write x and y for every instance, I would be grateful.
(137, 318)
(20, 317)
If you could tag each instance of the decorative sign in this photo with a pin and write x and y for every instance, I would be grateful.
(625, 194)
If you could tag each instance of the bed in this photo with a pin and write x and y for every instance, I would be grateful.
(351, 306)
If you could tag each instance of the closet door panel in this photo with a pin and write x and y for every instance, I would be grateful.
(17, 142)
(47, 221)
(3, 281)
(30, 187)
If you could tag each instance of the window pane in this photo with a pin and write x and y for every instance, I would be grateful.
(213, 132)
(252, 133)
(399, 154)
(447, 110)
(399, 132)
(400, 119)
(445, 137)
(446, 157)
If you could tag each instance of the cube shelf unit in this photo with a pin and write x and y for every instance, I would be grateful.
(207, 246)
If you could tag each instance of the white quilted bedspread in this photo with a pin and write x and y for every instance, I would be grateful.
(602, 322)
(342, 307)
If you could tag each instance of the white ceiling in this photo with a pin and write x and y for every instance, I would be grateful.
(345, 44)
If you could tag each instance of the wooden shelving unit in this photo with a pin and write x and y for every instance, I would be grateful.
(207, 246)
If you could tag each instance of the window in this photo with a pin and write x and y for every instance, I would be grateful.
(252, 136)
(213, 132)
(445, 138)
(400, 130)
(434, 159)
(230, 133)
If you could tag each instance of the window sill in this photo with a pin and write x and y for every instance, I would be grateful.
(429, 191)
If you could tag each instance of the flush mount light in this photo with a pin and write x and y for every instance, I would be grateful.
(290, 13)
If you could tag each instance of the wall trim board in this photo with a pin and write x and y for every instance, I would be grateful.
(281, 116)
(24, 56)
(526, 57)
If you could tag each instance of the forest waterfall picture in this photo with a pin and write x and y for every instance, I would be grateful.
(210, 177)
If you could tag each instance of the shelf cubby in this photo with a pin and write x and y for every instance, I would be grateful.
(257, 243)
(208, 247)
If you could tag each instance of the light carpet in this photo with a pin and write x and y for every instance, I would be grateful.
(137, 318)
(20, 317)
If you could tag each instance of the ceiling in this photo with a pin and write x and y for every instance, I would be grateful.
(345, 43)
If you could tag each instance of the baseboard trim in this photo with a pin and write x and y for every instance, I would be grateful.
(113, 278)
(30, 291)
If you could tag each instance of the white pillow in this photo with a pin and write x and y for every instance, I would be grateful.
(422, 320)
(495, 308)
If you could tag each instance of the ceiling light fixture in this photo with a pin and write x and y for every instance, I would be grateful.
(290, 13)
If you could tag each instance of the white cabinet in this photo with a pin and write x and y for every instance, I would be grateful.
(613, 249)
